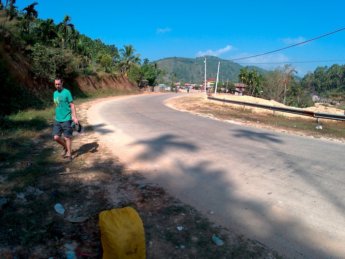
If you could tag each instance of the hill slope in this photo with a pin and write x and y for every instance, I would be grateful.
(193, 69)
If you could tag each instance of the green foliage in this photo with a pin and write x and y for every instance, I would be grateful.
(298, 96)
(253, 80)
(128, 58)
(135, 74)
(326, 81)
(191, 70)
(42, 39)
(144, 75)
(106, 62)
(150, 72)
(48, 63)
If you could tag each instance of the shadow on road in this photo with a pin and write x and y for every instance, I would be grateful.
(162, 145)
(257, 136)
(202, 184)
(99, 128)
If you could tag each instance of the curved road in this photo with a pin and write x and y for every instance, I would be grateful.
(286, 191)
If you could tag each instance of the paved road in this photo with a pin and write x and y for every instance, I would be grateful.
(286, 191)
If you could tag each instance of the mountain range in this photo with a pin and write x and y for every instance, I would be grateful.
(192, 70)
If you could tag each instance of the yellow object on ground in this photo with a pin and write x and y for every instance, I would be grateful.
(122, 234)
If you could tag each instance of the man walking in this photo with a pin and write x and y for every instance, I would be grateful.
(65, 113)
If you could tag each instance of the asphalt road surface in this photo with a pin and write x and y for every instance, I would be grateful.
(285, 191)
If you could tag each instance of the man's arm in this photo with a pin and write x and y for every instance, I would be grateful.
(74, 113)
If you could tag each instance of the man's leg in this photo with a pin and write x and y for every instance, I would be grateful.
(57, 131)
(68, 142)
(62, 142)
(68, 134)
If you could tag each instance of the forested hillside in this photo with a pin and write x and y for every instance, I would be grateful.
(192, 70)
(34, 51)
(280, 84)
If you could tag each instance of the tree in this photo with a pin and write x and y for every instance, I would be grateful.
(135, 74)
(66, 30)
(127, 59)
(11, 10)
(30, 14)
(252, 79)
(150, 72)
(106, 62)
(288, 72)
(47, 31)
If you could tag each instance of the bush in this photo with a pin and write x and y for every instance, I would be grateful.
(48, 63)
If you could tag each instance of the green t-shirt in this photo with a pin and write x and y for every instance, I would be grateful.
(62, 101)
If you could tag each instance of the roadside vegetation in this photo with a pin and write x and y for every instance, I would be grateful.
(325, 84)
(34, 51)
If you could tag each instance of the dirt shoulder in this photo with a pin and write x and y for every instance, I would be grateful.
(262, 118)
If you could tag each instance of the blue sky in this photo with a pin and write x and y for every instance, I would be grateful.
(227, 29)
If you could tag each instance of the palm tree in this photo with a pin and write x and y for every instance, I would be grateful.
(74, 40)
(30, 14)
(1, 5)
(66, 28)
(128, 59)
(47, 30)
(12, 10)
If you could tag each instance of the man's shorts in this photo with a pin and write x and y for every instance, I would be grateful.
(64, 128)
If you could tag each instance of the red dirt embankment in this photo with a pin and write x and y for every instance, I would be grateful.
(105, 82)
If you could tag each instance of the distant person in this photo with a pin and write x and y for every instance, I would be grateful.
(65, 114)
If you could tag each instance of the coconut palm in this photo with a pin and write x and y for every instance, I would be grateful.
(30, 12)
(127, 59)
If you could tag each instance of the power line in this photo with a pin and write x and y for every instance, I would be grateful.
(290, 46)
(292, 62)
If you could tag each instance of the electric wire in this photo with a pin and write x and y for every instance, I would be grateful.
(291, 62)
(290, 46)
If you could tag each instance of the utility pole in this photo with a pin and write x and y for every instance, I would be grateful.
(215, 89)
(205, 75)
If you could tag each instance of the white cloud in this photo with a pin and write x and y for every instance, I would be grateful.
(216, 53)
(163, 30)
(291, 41)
